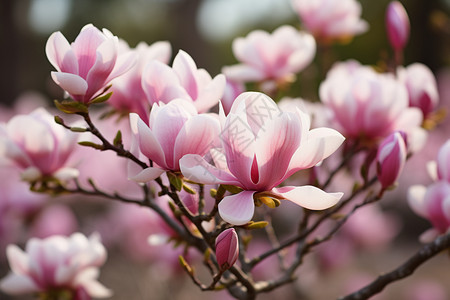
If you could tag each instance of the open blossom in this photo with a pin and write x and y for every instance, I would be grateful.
(275, 56)
(162, 83)
(262, 146)
(433, 202)
(174, 129)
(38, 145)
(330, 20)
(397, 25)
(86, 67)
(369, 105)
(128, 94)
(421, 85)
(56, 263)
(391, 158)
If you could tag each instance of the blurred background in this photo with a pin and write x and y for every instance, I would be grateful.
(205, 29)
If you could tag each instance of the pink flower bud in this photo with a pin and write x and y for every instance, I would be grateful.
(227, 249)
(397, 25)
(391, 157)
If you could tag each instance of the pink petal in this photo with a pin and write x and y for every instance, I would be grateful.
(416, 200)
(308, 196)
(195, 168)
(72, 84)
(18, 285)
(429, 235)
(148, 143)
(210, 94)
(18, 260)
(160, 83)
(319, 144)
(123, 64)
(147, 175)
(237, 209)
(184, 66)
(60, 54)
(196, 137)
(88, 280)
(243, 73)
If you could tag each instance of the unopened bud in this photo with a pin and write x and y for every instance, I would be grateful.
(227, 249)
(397, 25)
(391, 157)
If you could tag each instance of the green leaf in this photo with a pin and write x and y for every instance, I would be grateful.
(232, 188)
(118, 139)
(78, 129)
(256, 225)
(101, 99)
(176, 181)
(92, 145)
(59, 120)
(188, 189)
(71, 107)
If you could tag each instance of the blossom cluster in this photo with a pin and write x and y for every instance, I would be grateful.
(208, 159)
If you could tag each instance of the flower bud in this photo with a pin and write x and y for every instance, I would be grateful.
(227, 249)
(397, 25)
(391, 157)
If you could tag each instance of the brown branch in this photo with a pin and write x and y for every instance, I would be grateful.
(404, 270)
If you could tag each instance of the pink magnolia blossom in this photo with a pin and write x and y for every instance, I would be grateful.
(276, 56)
(57, 262)
(232, 90)
(85, 67)
(331, 20)
(433, 204)
(397, 25)
(174, 129)
(368, 105)
(227, 248)
(38, 145)
(128, 94)
(443, 162)
(262, 146)
(162, 83)
(391, 158)
(422, 87)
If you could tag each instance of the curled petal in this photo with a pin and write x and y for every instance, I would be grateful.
(308, 196)
(237, 209)
(71, 83)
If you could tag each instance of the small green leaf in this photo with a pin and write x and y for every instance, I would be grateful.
(118, 139)
(185, 265)
(71, 107)
(232, 188)
(213, 193)
(176, 181)
(101, 99)
(59, 120)
(188, 189)
(92, 145)
(78, 129)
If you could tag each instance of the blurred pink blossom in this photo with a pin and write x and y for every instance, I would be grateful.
(262, 146)
(331, 20)
(55, 219)
(397, 25)
(368, 106)
(174, 129)
(57, 262)
(128, 94)
(422, 87)
(162, 83)
(37, 145)
(277, 56)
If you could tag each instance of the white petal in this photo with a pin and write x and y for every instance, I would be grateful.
(237, 209)
(416, 200)
(73, 84)
(309, 196)
(18, 284)
(147, 175)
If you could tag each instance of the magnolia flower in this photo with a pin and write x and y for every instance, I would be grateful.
(422, 87)
(276, 56)
(174, 129)
(262, 146)
(128, 94)
(85, 67)
(391, 158)
(227, 248)
(330, 20)
(56, 263)
(368, 105)
(433, 204)
(162, 83)
(38, 145)
(397, 25)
